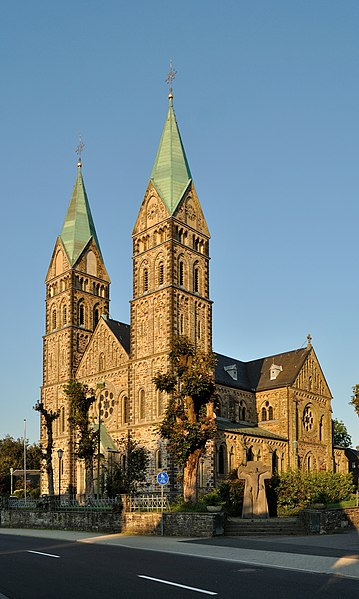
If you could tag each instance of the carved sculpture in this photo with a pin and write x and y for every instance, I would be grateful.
(255, 500)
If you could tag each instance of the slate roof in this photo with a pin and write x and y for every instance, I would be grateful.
(254, 375)
(121, 332)
(244, 429)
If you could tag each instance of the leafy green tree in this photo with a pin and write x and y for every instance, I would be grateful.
(355, 399)
(81, 397)
(125, 476)
(12, 456)
(48, 417)
(341, 436)
(299, 489)
(189, 421)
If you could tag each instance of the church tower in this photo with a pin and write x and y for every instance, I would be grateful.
(170, 274)
(77, 294)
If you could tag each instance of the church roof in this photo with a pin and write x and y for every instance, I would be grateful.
(78, 227)
(170, 173)
(223, 424)
(121, 332)
(255, 375)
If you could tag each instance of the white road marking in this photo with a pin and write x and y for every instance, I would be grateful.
(40, 553)
(175, 584)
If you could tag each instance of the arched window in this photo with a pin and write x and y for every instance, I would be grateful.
(242, 410)
(181, 273)
(62, 419)
(264, 414)
(270, 413)
(221, 460)
(142, 404)
(160, 273)
(196, 278)
(96, 316)
(308, 418)
(274, 461)
(53, 319)
(231, 460)
(81, 313)
(321, 422)
(181, 327)
(125, 414)
(102, 362)
(158, 460)
(64, 315)
(249, 454)
(145, 280)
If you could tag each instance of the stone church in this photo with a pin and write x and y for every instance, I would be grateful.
(276, 409)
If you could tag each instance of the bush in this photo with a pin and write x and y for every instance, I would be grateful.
(212, 498)
(231, 492)
(297, 489)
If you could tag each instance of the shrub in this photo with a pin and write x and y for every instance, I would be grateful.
(231, 492)
(300, 489)
(212, 498)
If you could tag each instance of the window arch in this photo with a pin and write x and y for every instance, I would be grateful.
(308, 418)
(196, 273)
(53, 319)
(242, 410)
(142, 404)
(274, 461)
(145, 280)
(102, 362)
(159, 398)
(221, 466)
(64, 315)
(270, 413)
(125, 410)
(264, 414)
(231, 459)
(158, 460)
(249, 454)
(181, 273)
(161, 273)
(81, 313)
(96, 315)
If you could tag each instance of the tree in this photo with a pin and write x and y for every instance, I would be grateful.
(81, 397)
(355, 399)
(126, 475)
(341, 436)
(189, 420)
(12, 456)
(48, 418)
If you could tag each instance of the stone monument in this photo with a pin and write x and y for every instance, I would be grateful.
(255, 500)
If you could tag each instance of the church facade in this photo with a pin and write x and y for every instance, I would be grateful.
(276, 409)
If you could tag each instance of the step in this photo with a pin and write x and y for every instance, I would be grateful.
(270, 526)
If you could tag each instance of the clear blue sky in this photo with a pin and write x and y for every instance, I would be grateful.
(266, 97)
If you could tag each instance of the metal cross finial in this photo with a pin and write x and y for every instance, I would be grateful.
(170, 77)
(79, 149)
(309, 337)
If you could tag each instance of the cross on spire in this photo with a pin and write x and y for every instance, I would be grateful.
(170, 77)
(78, 151)
(309, 338)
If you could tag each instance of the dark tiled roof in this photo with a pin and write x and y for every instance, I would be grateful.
(121, 332)
(245, 429)
(254, 375)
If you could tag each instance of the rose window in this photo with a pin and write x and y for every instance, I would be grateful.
(308, 419)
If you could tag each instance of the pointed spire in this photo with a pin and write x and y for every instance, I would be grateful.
(78, 226)
(170, 173)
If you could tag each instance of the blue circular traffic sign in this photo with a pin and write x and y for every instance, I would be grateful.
(162, 478)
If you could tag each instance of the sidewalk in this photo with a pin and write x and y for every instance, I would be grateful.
(326, 554)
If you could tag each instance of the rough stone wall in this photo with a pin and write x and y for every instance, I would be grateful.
(88, 521)
(174, 524)
(329, 521)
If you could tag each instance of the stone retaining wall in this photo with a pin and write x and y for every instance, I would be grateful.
(183, 524)
(142, 523)
(321, 521)
(86, 521)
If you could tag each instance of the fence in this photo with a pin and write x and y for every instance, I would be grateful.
(63, 504)
(147, 503)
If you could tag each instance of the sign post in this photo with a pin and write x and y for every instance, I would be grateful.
(162, 479)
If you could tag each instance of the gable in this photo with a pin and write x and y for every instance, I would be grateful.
(152, 211)
(104, 352)
(190, 212)
(94, 267)
(311, 378)
(59, 261)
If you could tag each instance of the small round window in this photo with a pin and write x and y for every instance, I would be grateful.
(107, 404)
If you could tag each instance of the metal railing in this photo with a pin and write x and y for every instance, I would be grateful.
(63, 504)
(147, 503)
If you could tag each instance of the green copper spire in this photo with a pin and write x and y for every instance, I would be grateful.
(170, 173)
(78, 226)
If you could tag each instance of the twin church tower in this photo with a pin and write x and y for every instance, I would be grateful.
(276, 409)
(170, 297)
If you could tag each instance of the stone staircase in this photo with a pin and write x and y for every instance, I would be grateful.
(257, 527)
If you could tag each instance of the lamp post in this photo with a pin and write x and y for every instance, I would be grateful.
(60, 453)
(25, 459)
(11, 481)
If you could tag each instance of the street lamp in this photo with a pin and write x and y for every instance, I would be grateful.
(11, 481)
(60, 453)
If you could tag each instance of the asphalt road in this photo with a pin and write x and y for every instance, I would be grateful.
(47, 568)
